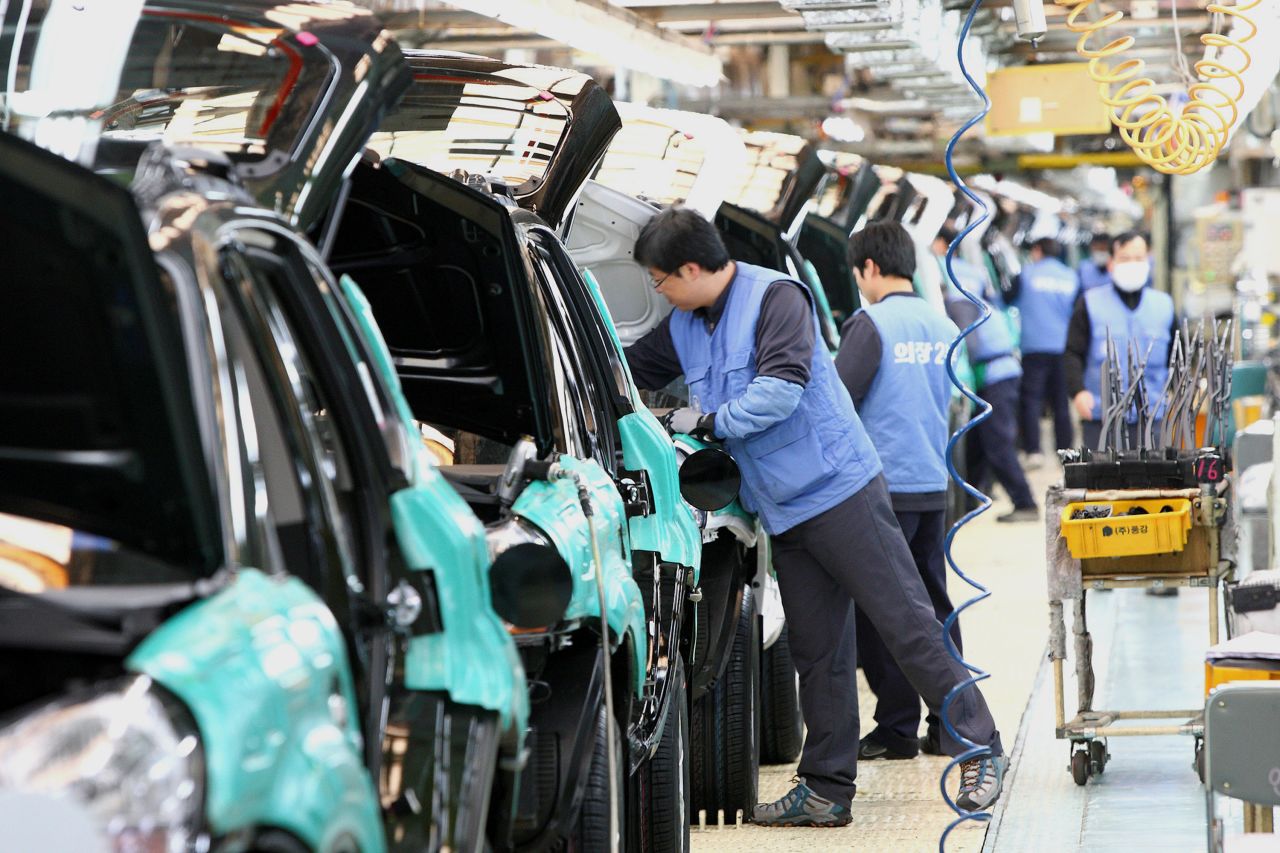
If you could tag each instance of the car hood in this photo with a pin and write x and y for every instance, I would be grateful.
(289, 90)
(541, 130)
(782, 174)
(98, 429)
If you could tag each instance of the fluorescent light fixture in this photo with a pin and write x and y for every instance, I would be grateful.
(607, 35)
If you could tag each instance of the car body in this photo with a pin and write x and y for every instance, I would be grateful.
(452, 230)
(317, 684)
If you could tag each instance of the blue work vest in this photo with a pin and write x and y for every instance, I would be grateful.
(905, 410)
(1149, 323)
(1090, 276)
(1049, 290)
(813, 459)
(990, 347)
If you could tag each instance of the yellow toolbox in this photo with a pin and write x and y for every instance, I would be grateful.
(1149, 526)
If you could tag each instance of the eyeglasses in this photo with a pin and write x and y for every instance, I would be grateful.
(659, 282)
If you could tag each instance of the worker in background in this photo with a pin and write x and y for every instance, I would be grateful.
(1095, 270)
(991, 448)
(1047, 294)
(760, 379)
(892, 359)
(1131, 310)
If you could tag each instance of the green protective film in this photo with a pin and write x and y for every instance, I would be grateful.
(262, 666)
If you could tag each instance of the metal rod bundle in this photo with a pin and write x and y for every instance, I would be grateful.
(1199, 379)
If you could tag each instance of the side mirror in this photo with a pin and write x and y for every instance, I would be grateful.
(531, 585)
(710, 479)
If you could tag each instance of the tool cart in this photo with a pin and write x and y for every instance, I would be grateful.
(1146, 509)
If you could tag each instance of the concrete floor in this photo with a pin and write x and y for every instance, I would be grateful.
(899, 807)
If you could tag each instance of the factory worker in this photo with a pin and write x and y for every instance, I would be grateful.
(991, 446)
(1048, 292)
(892, 359)
(1131, 310)
(761, 380)
(1095, 270)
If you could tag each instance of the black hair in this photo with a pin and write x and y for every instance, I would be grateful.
(1049, 247)
(679, 236)
(947, 234)
(1126, 238)
(887, 245)
(1101, 237)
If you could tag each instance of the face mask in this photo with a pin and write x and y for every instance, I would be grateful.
(1130, 276)
(1099, 259)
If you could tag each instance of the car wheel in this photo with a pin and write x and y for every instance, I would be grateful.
(665, 777)
(593, 831)
(781, 726)
(725, 726)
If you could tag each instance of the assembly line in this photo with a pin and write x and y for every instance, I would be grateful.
(428, 426)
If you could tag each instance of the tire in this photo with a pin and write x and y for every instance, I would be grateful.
(725, 728)
(1080, 766)
(781, 725)
(592, 832)
(665, 780)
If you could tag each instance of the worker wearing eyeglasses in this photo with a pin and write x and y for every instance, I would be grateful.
(746, 340)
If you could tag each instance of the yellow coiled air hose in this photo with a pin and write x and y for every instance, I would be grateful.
(1174, 142)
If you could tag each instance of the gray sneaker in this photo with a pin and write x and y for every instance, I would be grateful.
(801, 807)
(980, 782)
(1026, 513)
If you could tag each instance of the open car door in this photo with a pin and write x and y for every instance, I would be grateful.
(98, 429)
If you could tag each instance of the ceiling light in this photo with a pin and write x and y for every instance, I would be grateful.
(600, 32)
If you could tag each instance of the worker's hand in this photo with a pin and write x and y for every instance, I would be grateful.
(1084, 405)
(687, 420)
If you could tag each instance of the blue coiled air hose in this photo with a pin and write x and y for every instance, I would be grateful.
(972, 750)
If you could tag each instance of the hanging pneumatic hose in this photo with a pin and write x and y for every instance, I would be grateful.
(1169, 140)
(972, 750)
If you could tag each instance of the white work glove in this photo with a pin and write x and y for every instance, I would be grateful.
(687, 420)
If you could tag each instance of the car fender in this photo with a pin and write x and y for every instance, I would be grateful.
(553, 506)
(262, 667)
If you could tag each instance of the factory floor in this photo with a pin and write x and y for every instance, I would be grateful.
(1148, 654)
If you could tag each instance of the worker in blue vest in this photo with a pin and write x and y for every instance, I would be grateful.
(892, 359)
(1047, 293)
(991, 446)
(1131, 310)
(1094, 271)
(762, 381)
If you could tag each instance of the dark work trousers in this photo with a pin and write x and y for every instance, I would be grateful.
(897, 702)
(855, 551)
(1092, 431)
(1043, 379)
(991, 447)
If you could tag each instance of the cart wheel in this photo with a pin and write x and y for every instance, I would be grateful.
(1097, 757)
(1080, 766)
(1199, 763)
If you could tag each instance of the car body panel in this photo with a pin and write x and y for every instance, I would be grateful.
(291, 90)
(98, 428)
(262, 667)
(541, 129)
(553, 506)
(437, 530)
(825, 243)
(781, 175)
(673, 157)
(454, 374)
(669, 530)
